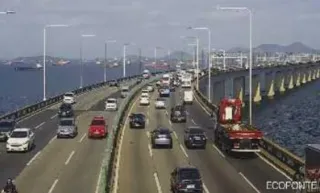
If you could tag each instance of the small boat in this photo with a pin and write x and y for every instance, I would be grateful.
(29, 68)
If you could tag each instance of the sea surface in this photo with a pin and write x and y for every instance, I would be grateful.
(290, 120)
(20, 88)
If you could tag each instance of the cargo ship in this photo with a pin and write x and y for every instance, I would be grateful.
(29, 68)
(61, 63)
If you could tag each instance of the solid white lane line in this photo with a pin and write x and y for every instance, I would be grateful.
(274, 167)
(218, 150)
(54, 116)
(147, 122)
(52, 139)
(170, 122)
(98, 182)
(38, 126)
(150, 150)
(248, 181)
(83, 136)
(175, 134)
(205, 110)
(53, 186)
(184, 151)
(193, 121)
(33, 158)
(69, 158)
(206, 190)
(155, 175)
(116, 177)
(167, 113)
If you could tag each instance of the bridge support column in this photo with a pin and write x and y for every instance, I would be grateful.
(291, 80)
(282, 86)
(269, 82)
(239, 87)
(304, 78)
(309, 75)
(318, 73)
(256, 84)
(298, 78)
(313, 71)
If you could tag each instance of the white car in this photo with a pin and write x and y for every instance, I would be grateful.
(68, 98)
(111, 104)
(160, 103)
(150, 88)
(20, 140)
(144, 99)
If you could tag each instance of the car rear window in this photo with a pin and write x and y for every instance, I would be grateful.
(97, 122)
(189, 174)
(68, 95)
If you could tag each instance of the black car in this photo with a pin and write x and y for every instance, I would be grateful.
(6, 127)
(195, 137)
(66, 110)
(178, 114)
(137, 120)
(114, 83)
(186, 179)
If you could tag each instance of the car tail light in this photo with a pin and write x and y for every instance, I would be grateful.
(236, 145)
(179, 186)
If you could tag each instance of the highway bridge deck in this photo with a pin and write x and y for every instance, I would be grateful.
(60, 165)
(143, 169)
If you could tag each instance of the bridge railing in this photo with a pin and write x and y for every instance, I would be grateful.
(279, 156)
(33, 108)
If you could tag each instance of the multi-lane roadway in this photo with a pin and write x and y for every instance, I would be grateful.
(143, 169)
(60, 165)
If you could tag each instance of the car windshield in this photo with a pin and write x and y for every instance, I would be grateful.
(189, 174)
(196, 131)
(97, 122)
(6, 126)
(68, 95)
(19, 134)
(66, 122)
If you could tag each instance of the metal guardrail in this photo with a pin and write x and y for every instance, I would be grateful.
(282, 158)
(30, 109)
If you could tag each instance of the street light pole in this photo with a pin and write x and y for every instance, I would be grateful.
(224, 58)
(44, 57)
(124, 59)
(106, 58)
(81, 56)
(250, 54)
(197, 63)
(209, 55)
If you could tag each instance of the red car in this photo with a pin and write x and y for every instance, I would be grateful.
(98, 127)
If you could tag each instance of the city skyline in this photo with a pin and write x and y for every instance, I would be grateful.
(149, 24)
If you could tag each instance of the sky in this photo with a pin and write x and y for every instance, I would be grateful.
(149, 23)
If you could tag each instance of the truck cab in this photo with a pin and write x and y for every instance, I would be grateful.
(231, 135)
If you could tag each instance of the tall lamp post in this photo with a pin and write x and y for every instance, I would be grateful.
(197, 43)
(124, 57)
(106, 58)
(246, 9)
(194, 50)
(209, 55)
(155, 54)
(44, 56)
(7, 12)
(81, 56)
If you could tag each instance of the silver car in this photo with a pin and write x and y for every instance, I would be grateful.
(161, 137)
(67, 128)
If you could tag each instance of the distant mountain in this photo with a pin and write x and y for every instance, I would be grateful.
(296, 47)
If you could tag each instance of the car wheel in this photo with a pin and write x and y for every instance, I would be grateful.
(154, 146)
(170, 146)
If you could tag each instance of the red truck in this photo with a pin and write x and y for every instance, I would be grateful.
(230, 134)
(98, 127)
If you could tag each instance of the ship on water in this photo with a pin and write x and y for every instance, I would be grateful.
(61, 63)
(29, 68)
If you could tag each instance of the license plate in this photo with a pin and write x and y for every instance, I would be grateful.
(190, 186)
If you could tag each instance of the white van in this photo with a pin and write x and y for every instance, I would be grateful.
(188, 97)
(124, 91)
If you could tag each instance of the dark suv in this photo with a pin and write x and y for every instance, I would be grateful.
(137, 120)
(6, 127)
(195, 137)
(66, 110)
(178, 114)
(186, 179)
